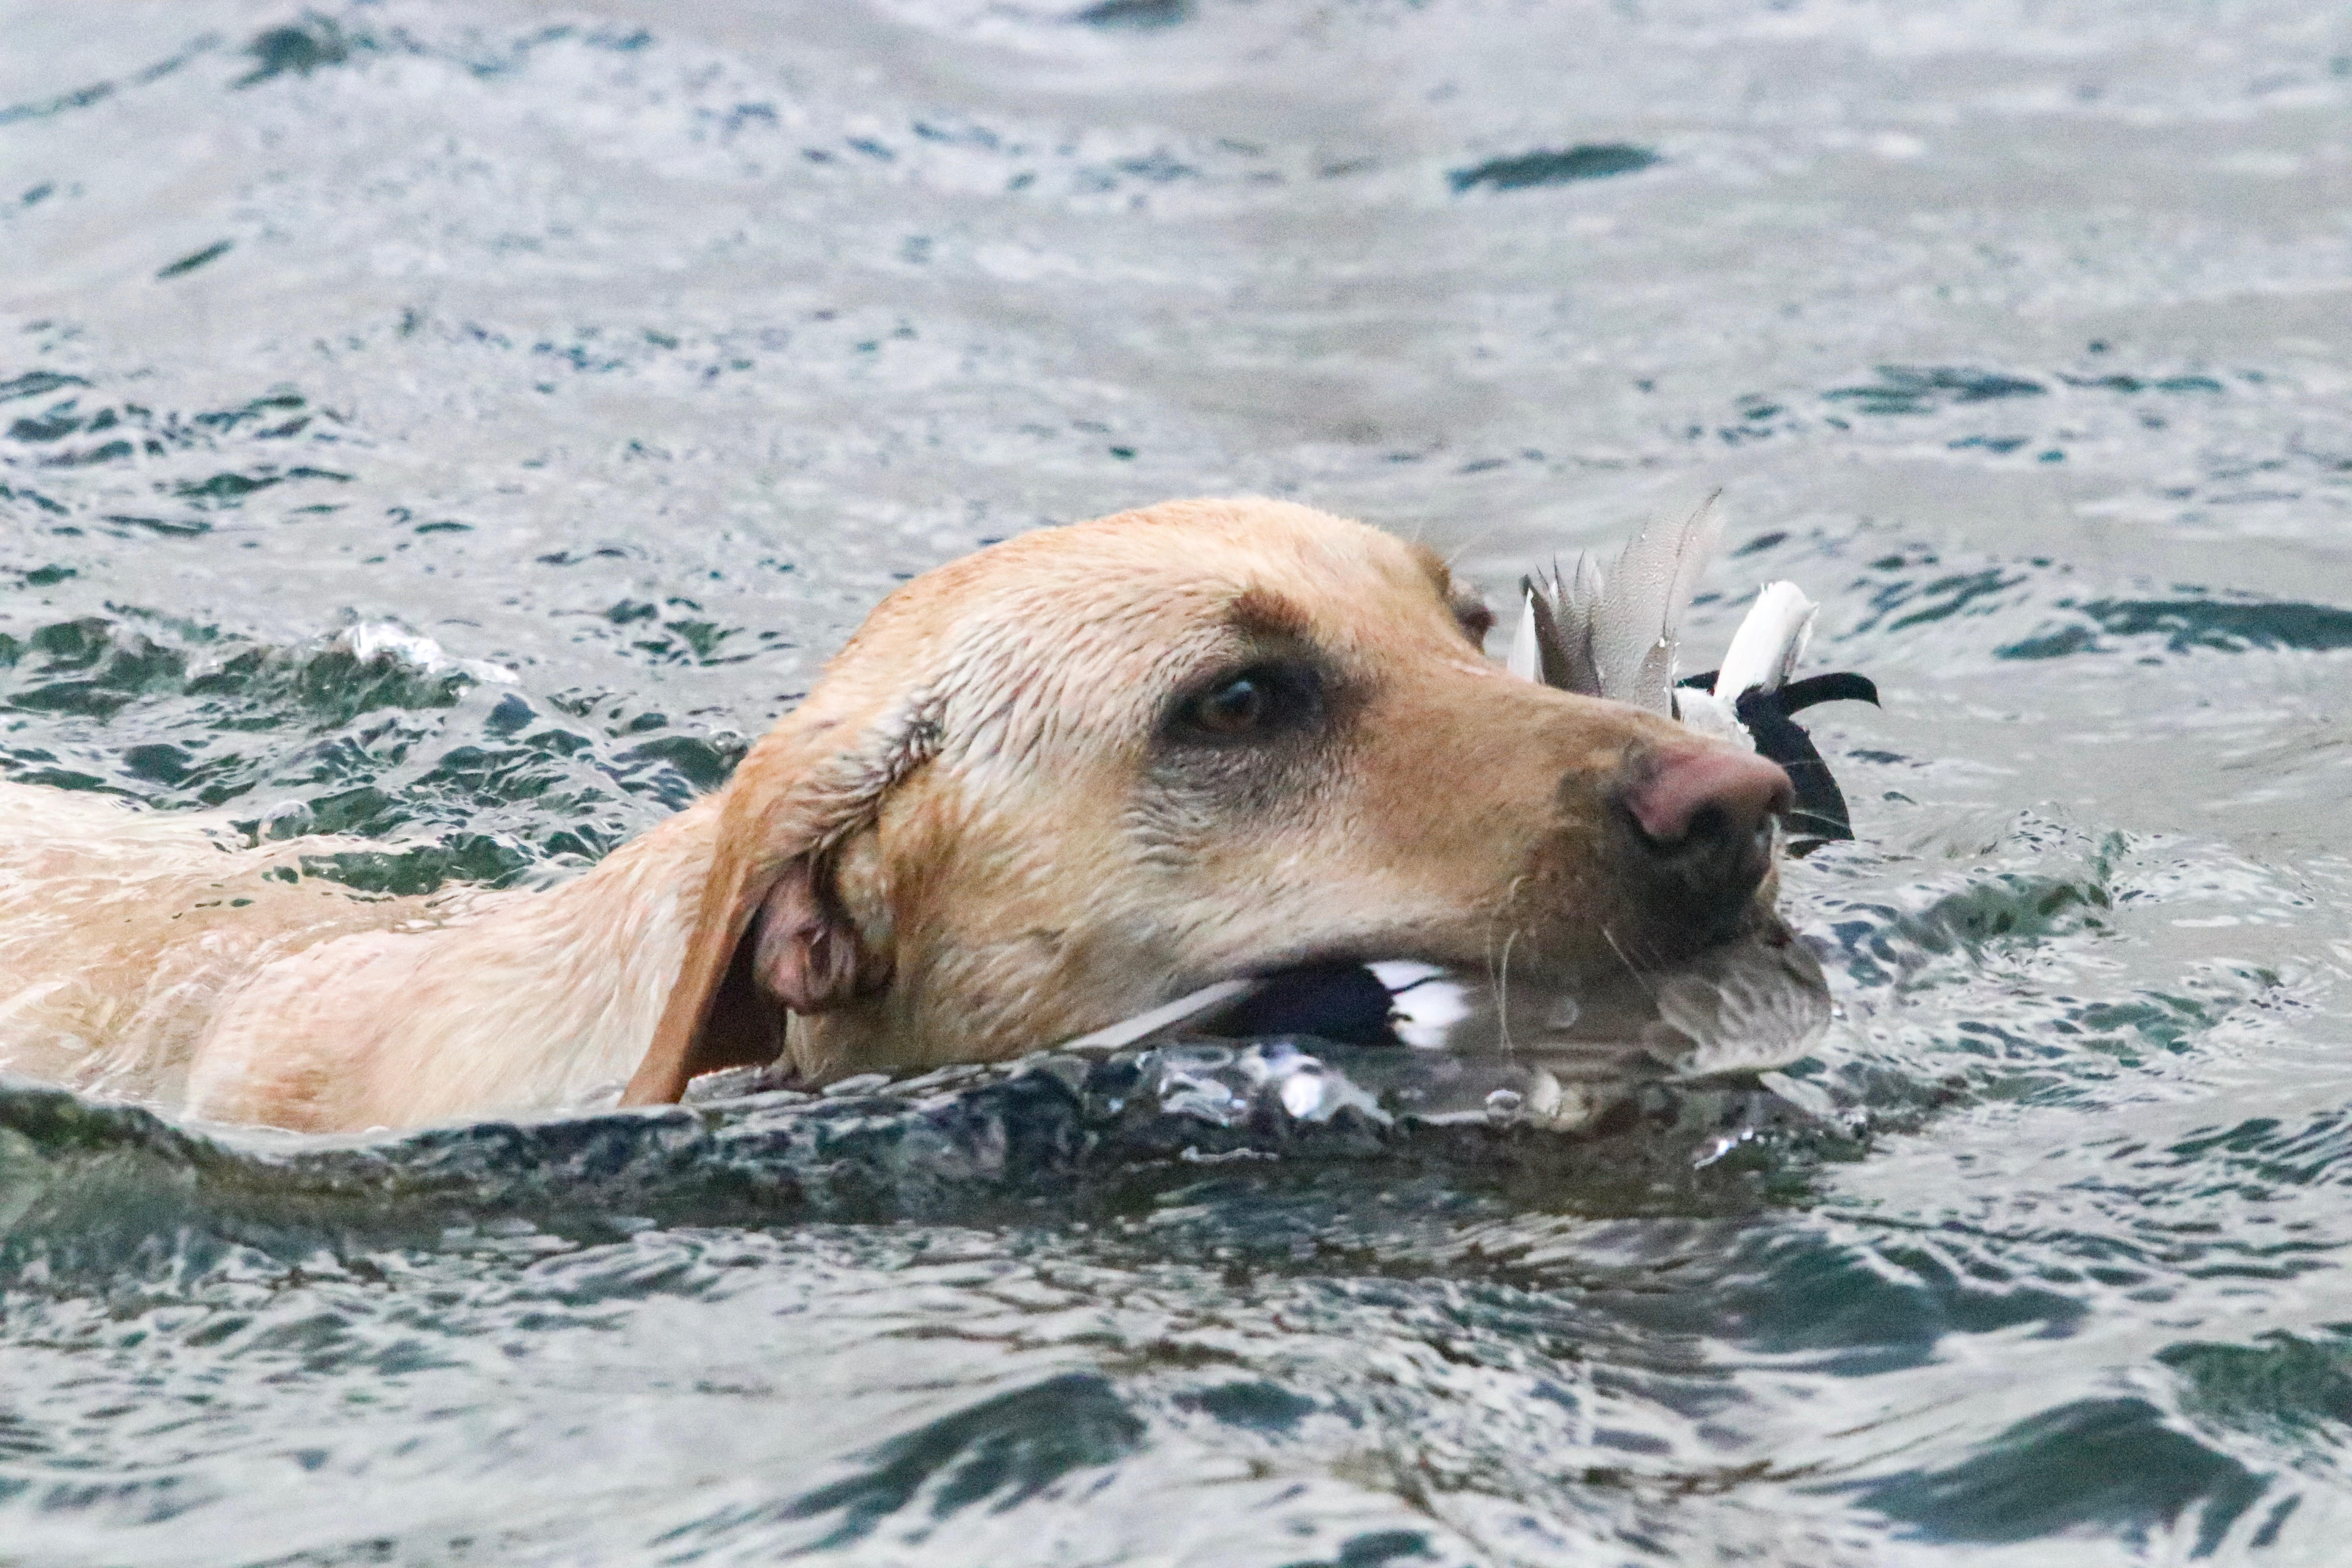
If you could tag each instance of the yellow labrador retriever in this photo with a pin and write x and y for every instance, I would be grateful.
(1041, 789)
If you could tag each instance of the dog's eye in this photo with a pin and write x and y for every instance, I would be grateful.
(1236, 708)
(1252, 704)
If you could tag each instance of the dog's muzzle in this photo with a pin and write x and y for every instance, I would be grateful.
(1695, 825)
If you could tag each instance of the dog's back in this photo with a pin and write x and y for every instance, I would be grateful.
(122, 929)
(157, 957)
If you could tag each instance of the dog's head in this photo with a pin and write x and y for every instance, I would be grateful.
(1061, 781)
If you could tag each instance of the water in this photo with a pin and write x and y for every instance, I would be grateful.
(628, 355)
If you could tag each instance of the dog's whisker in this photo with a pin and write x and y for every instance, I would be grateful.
(1503, 990)
(1475, 540)
(1506, 918)
(1641, 976)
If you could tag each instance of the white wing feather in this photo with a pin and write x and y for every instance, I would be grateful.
(1525, 659)
(1770, 641)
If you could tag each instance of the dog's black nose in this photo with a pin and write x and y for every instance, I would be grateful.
(1700, 822)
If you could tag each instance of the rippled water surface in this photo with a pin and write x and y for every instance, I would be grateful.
(626, 354)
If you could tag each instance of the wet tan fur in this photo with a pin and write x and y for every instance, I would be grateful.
(979, 783)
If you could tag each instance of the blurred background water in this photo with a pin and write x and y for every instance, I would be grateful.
(463, 424)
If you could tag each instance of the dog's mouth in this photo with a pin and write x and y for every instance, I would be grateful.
(1750, 1005)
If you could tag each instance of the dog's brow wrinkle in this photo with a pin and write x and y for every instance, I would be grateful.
(1261, 609)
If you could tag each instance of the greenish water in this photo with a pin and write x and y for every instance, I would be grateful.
(628, 355)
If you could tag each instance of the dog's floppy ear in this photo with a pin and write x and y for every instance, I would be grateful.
(810, 955)
(811, 783)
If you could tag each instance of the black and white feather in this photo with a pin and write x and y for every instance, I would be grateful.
(1618, 633)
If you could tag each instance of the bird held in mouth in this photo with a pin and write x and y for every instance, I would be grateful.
(1616, 633)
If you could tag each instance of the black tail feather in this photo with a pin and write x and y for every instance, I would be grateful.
(1819, 812)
